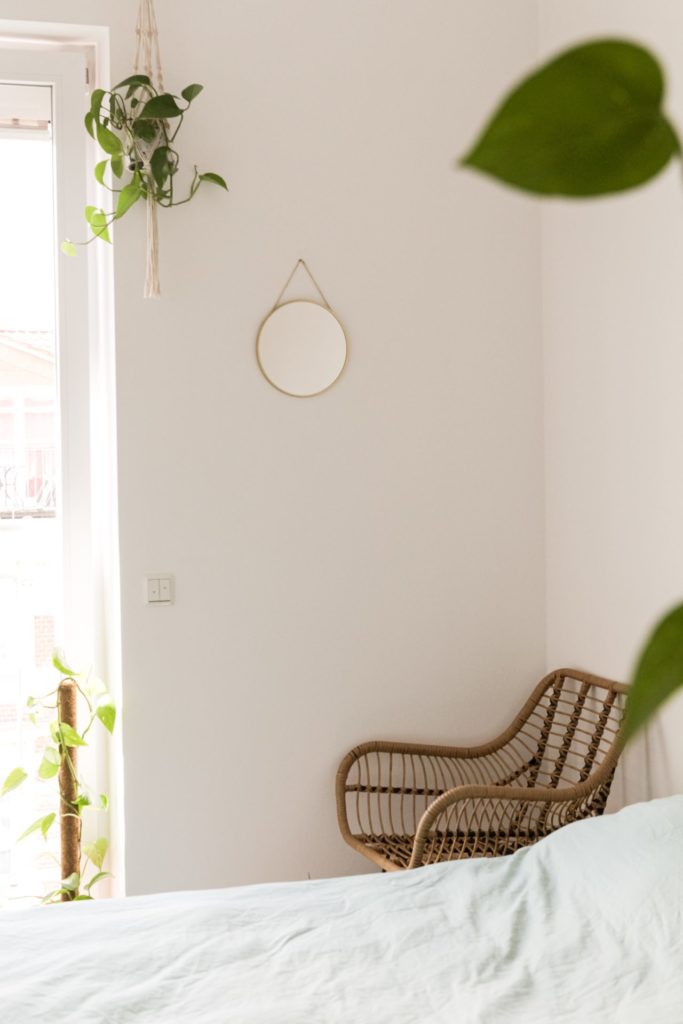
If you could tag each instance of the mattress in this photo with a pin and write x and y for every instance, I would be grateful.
(585, 926)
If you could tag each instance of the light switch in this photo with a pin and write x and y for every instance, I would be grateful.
(159, 589)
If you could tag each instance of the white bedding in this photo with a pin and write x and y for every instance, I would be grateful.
(586, 926)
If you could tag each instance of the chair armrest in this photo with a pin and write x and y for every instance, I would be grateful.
(385, 787)
(483, 821)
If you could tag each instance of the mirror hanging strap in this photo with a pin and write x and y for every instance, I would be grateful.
(301, 263)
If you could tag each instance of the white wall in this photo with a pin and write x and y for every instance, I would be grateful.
(365, 563)
(613, 333)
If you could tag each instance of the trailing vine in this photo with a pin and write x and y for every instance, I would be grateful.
(73, 795)
(137, 127)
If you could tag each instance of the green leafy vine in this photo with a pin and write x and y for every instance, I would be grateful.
(73, 796)
(136, 127)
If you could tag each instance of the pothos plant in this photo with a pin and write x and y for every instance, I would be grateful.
(588, 123)
(73, 796)
(136, 127)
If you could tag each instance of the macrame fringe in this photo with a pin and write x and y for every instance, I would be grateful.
(148, 57)
(152, 286)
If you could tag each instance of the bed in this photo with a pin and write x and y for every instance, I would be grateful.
(585, 926)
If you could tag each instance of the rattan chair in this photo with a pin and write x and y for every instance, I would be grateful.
(403, 805)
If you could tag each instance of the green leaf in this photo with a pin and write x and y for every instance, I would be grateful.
(58, 657)
(68, 248)
(106, 712)
(132, 80)
(99, 877)
(127, 196)
(69, 736)
(98, 223)
(160, 165)
(44, 823)
(144, 130)
(190, 92)
(52, 897)
(49, 766)
(658, 674)
(588, 122)
(96, 851)
(71, 882)
(117, 164)
(78, 899)
(104, 801)
(160, 107)
(94, 686)
(89, 122)
(215, 178)
(82, 800)
(14, 779)
(109, 142)
(100, 170)
(96, 102)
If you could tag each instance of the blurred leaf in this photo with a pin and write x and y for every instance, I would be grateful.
(43, 823)
(82, 800)
(89, 121)
(78, 899)
(117, 164)
(190, 92)
(144, 130)
(96, 851)
(94, 686)
(98, 223)
(588, 122)
(104, 801)
(214, 178)
(71, 882)
(14, 779)
(109, 142)
(100, 170)
(132, 80)
(99, 877)
(96, 102)
(160, 166)
(658, 674)
(160, 107)
(49, 766)
(69, 736)
(128, 195)
(106, 712)
(58, 657)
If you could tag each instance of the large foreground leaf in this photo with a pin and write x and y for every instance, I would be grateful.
(659, 672)
(588, 122)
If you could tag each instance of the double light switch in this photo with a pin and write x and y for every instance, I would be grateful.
(159, 589)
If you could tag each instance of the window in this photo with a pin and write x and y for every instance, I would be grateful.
(48, 576)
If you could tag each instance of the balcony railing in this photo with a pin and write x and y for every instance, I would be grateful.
(28, 482)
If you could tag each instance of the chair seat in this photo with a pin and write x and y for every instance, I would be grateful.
(397, 849)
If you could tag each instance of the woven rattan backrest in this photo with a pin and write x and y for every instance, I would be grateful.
(568, 730)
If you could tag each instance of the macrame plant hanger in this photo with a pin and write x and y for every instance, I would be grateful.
(148, 62)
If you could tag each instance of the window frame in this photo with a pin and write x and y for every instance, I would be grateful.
(85, 368)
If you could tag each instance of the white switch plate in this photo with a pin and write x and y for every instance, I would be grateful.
(159, 589)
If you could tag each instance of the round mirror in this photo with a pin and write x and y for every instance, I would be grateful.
(301, 348)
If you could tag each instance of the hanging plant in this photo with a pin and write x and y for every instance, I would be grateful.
(136, 124)
(136, 127)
